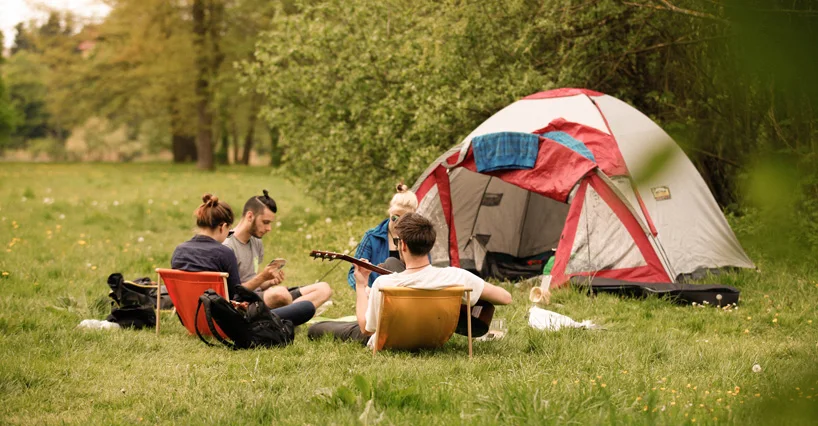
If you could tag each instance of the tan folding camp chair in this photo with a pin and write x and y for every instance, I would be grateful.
(184, 289)
(412, 319)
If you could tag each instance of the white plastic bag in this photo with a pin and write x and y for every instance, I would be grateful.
(98, 325)
(543, 319)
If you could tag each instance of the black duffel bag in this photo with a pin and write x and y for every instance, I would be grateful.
(247, 321)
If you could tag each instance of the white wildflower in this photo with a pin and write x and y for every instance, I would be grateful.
(756, 368)
(278, 224)
(150, 201)
(300, 229)
(328, 220)
(349, 224)
(309, 237)
(175, 202)
(23, 199)
(62, 216)
(140, 239)
(94, 203)
(116, 203)
(352, 242)
(307, 210)
(48, 200)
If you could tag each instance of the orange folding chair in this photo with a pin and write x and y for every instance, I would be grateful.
(184, 289)
(412, 319)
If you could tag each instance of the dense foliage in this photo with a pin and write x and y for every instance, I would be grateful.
(369, 92)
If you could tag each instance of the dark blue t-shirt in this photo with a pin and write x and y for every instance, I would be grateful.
(202, 253)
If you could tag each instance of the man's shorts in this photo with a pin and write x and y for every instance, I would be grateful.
(295, 292)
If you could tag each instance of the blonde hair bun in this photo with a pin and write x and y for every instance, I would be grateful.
(403, 200)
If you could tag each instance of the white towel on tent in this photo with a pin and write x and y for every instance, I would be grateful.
(543, 319)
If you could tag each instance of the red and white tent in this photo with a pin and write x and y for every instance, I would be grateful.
(600, 221)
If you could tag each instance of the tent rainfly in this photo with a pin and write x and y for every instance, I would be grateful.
(576, 198)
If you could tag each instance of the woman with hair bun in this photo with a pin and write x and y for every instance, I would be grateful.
(205, 252)
(378, 243)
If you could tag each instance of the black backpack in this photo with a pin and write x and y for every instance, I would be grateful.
(248, 328)
(133, 304)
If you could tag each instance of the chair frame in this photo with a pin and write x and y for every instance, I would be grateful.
(466, 292)
(159, 280)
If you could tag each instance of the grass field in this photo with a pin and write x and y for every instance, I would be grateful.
(65, 228)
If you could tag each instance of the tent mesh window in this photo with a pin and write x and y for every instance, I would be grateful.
(602, 242)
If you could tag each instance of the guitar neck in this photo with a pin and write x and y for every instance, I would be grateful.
(328, 255)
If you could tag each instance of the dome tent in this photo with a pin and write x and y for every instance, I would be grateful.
(586, 208)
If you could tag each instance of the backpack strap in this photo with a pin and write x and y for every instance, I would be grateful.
(204, 300)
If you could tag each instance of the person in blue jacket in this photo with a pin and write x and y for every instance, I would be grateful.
(377, 243)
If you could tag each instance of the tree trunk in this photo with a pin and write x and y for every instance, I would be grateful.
(235, 137)
(184, 148)
(251, 130)
(183, 145)
(275, 150)
(224, 139)
(207, 21)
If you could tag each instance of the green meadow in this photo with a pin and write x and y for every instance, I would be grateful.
(65, 228)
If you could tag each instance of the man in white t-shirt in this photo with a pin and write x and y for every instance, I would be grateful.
(416, 238)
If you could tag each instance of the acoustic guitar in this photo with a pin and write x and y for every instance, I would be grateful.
(482, 312)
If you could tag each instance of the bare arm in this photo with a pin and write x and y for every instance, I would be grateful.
(495, 295)
(361, 298)
(269, 273)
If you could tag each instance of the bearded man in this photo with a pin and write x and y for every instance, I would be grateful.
(245, 241)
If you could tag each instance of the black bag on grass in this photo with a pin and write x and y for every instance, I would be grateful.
(133, 303)
(250, 325)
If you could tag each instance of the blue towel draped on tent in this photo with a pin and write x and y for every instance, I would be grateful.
(505, 150)
(514, 150)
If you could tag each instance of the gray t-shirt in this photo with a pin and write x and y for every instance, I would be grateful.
(249, 255)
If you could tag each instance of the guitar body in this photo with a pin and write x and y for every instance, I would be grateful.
(482, 312)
